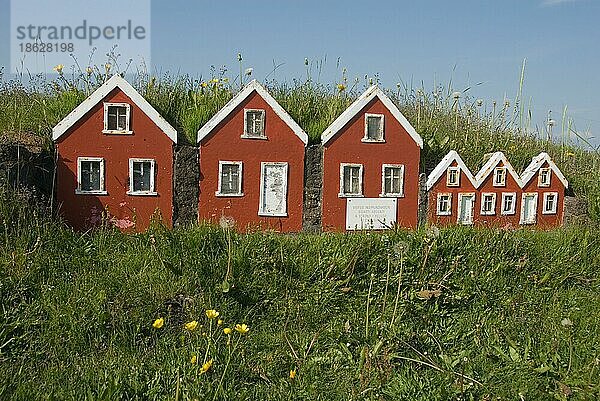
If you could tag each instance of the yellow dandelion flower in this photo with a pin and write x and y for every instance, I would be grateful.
(158, 323)
(89, 70)
(341, 87)
(59, 68)
(203, 84)
(242, 328)
(219, 322)
(211, 313)
(206, 366)
(191, 326)
(225, 79)
(227, 330)
(293, 374)
(194, 360)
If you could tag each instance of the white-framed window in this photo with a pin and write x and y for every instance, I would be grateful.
(273, 189)
(488, 204)
(230, 179)
(550, 203)
(509, 203)
(141, 176)
(392, 180)
(453, 177)
(90, 176)
(117, 118)
(254, 124)
(374, 128)
(351, 179)
(499, 177)
(444, 204)
(529, 202)
(544, 177)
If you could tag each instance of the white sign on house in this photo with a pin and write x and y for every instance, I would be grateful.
(370, 213)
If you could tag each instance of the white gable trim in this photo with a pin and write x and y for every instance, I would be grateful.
(492, 163)
(442, 167)
(239, 98)
(358, 105)
(536, 163)
(116, 81)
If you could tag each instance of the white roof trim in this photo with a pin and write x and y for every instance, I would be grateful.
(442, 166)
(358, 105)
(536, 163)
(239, 98)
(492, 162)
(116, 81)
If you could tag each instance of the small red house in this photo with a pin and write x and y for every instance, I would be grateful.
(371, 157)
(452, 191)
(252, 164)
(115, 159)
(542, 199)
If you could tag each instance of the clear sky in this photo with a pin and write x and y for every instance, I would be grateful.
(468, 42)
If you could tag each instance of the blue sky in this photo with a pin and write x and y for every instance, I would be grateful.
(468, 42)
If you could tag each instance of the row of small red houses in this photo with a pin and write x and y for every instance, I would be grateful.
(115, 156)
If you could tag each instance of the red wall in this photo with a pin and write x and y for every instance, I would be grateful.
(498, 220)
(346, 147)
(545, 221)
(85, 139)
(224, 143)
(441, 187)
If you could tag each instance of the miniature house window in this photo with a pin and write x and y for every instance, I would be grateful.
(373, 128)
(254, 124)
(116, 118)
(350, 179)
(444, 204)
(90, 176)
(528, 208)
(550, 203)
(544, 177)
(273, 189)
(500, 176)
(488, 204)
(230, 179)
(509, 203)
(466, 204)
(392, 180)
(453, 177)
(141, 177)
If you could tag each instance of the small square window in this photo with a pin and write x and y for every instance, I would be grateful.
(373, 128)
(254, 123)
(141, 177)
(488, 204)
(392, 180)
(116, 118)
(90, 176)
(350, 179)
(230, 179)
(444, 204)
(544, 177)
(453, 177)
(509, 203)
(550, 203)
(500, 176)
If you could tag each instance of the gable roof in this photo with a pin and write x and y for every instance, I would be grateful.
(116, 81)
(239, 98)
(492, 162)
(536, 163)
(358, 105)
(442, 166)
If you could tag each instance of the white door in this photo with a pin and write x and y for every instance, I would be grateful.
(466, 204)
(273, 189)
(529, 208)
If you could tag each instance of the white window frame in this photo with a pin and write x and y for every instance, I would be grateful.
(247, 135)
(384, 194)
(263, 166)
(459, 208)
(513, 209)
(485, 195)
(503, 182)
(541, 182)
(532, 220)
(545, 203)
(240, 171)
(127, 130)
(441, 212)
(102, 190)
(381, 128)
(152, 190)
(456, 170)
(342, 194)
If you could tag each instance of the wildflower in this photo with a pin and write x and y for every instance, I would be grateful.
(227, 330)
(242, 328)
(107, 67)
(203, 84)
(191, 326)
(570, 154)
(225, 79)
(479, 102)
(194, 360)
(455, 95)
(249, 71)
(158, 323)
(341, 87)
(214, 81)
(59, 68)
(206, 366)
(211, 313)
(292, 374)
(219, 322)
(89, 70)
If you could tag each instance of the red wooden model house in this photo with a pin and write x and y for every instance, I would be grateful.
(252, 164)
(371, 157)
(115, 158)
